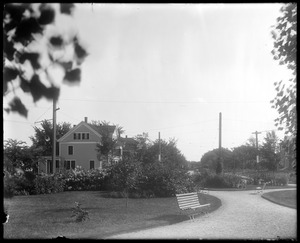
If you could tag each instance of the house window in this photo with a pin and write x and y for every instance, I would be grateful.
(56, 164)
(81, 135)
(92, 164)
(67, 164)
(73, 164)
(49, 166)
(70, 150)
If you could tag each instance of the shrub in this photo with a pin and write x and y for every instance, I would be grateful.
(46, 184)
(79, 214)
(158, 180)
(9, 185)
(82, 180)
(123, 176)
(19, 184)
(208, 179)
(129, 178)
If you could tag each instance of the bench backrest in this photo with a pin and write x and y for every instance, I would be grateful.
(188, 200)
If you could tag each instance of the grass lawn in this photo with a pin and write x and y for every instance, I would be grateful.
(286, 198)
(49, 216)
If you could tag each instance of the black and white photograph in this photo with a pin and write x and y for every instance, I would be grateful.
(150, 121)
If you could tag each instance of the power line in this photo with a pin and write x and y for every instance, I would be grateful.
(246, 121)
(19, 122)
(43, 113)
(162, 102)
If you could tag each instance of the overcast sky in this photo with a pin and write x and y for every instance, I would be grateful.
(172, 69)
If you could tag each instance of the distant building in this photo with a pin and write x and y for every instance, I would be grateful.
(78, 147)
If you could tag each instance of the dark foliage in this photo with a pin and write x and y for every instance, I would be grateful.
(21, 24)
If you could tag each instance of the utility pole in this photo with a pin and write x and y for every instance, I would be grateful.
(220, 144)
(159, 147)
(256, 135)
(220, 131)
(54, 135)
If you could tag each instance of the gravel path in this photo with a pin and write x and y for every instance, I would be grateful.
(243, 215)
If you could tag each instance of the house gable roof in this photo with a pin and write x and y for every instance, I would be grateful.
(127, 143)
(76, 127)
(103, 128)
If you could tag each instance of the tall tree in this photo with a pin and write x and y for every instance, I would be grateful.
(120, 130)
(244, 157)
(34, 48)
(270, 151)
(108, 142)
(143, 144)
(171, 156)
(18, 155)
(211, 161)
(285, 52)
(251, 142)
(43, 137)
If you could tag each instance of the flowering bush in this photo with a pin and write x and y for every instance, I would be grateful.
(83, 180)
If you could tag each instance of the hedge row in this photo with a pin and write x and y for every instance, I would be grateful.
(28, 183)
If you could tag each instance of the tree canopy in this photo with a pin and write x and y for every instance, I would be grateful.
(285, 52)
(35, 49)
(170, 154)
(270, 151)
(18, 155)
(43, 137)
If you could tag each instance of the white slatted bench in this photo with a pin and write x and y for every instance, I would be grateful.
(189, 204)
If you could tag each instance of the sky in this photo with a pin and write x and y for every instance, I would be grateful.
(169, 69)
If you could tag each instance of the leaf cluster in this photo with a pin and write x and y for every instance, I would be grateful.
(285, 52)
(26, 46)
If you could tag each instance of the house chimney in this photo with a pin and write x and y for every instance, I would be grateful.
(85, 119)
(74, 125)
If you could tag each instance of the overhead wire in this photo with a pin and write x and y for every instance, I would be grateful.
(159, 102)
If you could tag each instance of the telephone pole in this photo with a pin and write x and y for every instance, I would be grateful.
(220, 159)
(159, 147)
(256, 135)
(54, 134)
(220, 132)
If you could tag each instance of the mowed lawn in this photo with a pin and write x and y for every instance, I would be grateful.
(49, 216)
(286, 198)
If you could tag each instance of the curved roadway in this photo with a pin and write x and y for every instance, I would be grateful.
(243, 215)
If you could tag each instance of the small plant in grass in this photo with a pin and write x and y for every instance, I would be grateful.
(79, 214)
